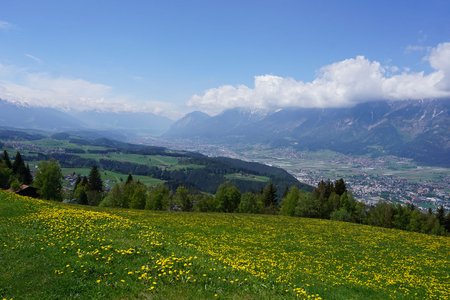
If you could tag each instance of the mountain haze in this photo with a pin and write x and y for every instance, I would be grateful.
(17, 115)
(24, 116)
(124, 121)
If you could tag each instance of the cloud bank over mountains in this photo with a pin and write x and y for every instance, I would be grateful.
(71, 94)
(344, 83)
(340, 84)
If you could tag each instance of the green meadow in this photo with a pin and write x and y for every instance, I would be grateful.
(51, 250)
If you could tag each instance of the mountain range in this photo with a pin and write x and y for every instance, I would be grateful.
(416, 129)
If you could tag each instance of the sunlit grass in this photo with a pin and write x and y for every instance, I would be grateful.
(52, 250)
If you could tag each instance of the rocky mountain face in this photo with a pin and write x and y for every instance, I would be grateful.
(415, 129)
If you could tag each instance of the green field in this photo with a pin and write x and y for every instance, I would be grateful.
(248, 177)
(113, 177)
(62, 144)
(51, 250)
(164, 162)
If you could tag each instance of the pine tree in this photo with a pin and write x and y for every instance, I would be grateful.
(18, 164)
(5, 174)
(94, 180)
(129, 179)
(440, 215)
(84, 181)
(27, 178)
(270, 195)
(77, 182)
(339, 187)
(83, 198)
(80, 188)
(447, 222)
(7, 160)
(21, 172)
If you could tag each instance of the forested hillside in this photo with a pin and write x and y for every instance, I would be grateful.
(175, 168)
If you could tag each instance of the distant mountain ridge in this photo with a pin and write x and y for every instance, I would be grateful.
(415, 129)
(18, 115)
(125, 121)
(25, 116)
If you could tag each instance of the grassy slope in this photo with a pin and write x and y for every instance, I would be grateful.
(166, 162)
(113, 177)
(248, 177)
(52, 250)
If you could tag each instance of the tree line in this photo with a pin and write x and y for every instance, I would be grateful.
(329, 200)
(14, 174)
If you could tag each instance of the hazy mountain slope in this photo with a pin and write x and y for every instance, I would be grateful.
(192, 122)
(228, 123)
(127, 121)
(21, 116)
(25, 116)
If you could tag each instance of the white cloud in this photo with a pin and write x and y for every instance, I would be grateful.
(439, 59)
(343, 83)
(416, 48)
(5, 25)
(43, 90)
(40, 89)
(34, 58)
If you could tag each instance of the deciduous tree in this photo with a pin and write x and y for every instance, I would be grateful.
(251, 203)
(48, 180)
(290, 202)
(228, 196)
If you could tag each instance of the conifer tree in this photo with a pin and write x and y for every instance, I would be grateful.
(339, 187)
(94, 180)
(440, 215)
(7, 160)
(129, 179)
(80, 189)
(84, 181)
(83, 198)
(5, 174)
(18, 164)
(270, 195)
(77, 182)
(447, 222)
(27, 178)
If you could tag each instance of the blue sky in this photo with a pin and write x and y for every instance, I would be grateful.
(171, 57)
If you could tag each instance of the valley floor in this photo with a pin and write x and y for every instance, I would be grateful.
(371, 179)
